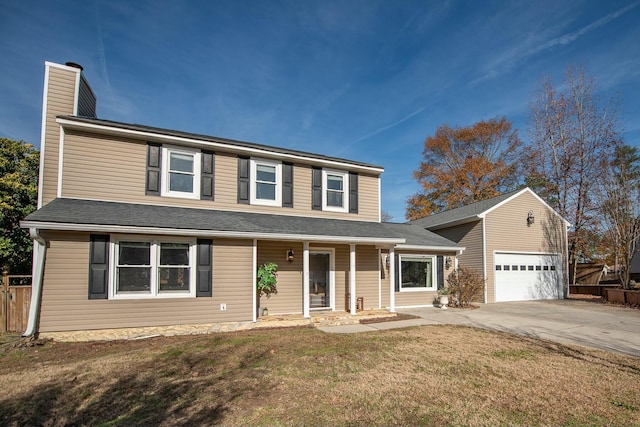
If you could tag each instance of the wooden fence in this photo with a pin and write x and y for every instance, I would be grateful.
(16, 298)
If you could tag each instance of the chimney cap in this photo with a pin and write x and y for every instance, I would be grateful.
(74, 65)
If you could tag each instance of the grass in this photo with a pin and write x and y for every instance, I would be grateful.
(432, 375)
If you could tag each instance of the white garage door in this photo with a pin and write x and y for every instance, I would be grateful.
(524, 277)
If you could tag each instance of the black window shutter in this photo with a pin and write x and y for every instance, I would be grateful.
(287, 185)
(397, 273)
(243, 180)
(353, 193)
(440, 272)
(98, 266)
(154, 162)
(207, 181)
(316, 189)
(204, 268)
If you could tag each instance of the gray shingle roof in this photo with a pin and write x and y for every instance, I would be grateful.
(418, 236)
(462, 213)
(208, 138)
(80, 214)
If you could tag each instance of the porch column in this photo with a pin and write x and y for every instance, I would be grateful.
(392, 280)
(305, 280)
(352, 278)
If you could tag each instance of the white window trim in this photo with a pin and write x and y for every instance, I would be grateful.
(253, 175)
(345, 189)
(155, 262)
(434, 268)
(166, 150)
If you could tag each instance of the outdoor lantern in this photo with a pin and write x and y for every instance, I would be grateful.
(530, 219)
(290, 255)
(447, 263)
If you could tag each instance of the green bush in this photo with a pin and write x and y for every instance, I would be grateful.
(267, 279)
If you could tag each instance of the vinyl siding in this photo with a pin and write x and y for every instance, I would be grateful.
(108, 168)
(367, 276)
(469, 236)
(86, 100)
(60, 100)
(65, 306)
(507, 230)
(289, 296)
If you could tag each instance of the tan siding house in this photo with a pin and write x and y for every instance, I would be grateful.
(144, 227)
(516, 241)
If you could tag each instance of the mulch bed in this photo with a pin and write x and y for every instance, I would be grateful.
(398, 316)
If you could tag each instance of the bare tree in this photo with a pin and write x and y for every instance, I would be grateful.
(571, 132)
(619, 197)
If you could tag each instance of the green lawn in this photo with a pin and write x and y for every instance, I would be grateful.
(434, 375)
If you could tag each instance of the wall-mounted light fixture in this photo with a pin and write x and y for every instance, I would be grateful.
(447, 263)
(530, 218)
(387, 261)
(290, 255)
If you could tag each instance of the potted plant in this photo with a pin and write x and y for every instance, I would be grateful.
(266, 283)
(444, 297)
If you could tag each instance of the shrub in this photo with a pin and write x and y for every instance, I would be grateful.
(267, 279)
(465, 285)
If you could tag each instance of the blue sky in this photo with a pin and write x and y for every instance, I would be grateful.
(366, 80)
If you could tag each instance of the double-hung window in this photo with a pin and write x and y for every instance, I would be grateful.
(266, 182)
(335, 196)
(417, 273)
(144, 269)
(181, 172)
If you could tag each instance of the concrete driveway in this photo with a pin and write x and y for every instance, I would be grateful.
(585, 323)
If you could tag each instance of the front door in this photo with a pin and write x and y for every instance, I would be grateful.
(320, 280)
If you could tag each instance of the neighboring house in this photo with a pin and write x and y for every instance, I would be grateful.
(516, 240)
(139, 226)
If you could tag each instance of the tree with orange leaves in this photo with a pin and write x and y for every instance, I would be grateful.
(463, 165)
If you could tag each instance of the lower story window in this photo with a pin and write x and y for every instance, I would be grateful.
(417, 273)
(153, 269)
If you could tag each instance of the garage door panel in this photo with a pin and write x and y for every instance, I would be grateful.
(524, 277)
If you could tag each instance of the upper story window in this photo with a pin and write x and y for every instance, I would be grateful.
(335, 195)
(266, 182)
(181, 172)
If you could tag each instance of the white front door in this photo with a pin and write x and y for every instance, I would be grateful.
(525, 277)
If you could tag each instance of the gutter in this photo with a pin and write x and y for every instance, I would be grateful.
(39, 252)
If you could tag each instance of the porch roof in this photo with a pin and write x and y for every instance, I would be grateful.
(116, 217)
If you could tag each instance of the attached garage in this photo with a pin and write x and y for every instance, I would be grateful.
(525, 277)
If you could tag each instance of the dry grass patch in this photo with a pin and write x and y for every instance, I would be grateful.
(434, 375)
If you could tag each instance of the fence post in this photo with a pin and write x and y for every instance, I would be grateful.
(5, 288)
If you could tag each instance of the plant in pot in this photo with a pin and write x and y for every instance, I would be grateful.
(444, 297)
(266, 283)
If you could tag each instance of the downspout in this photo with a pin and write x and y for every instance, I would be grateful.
(40, 249)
